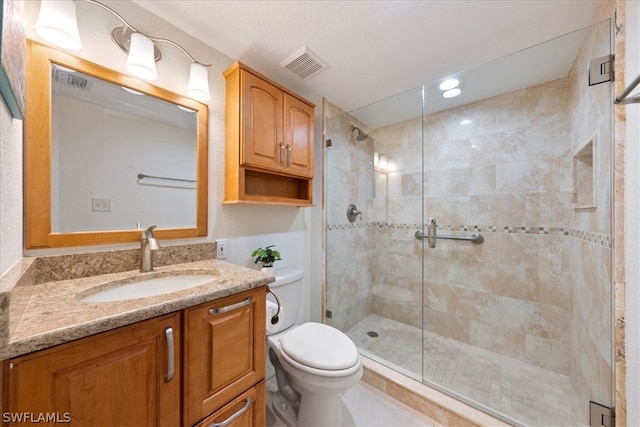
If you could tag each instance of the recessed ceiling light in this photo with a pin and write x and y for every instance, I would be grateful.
(465, 122)
(452, 93)
(449, 84)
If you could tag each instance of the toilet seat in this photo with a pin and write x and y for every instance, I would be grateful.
(321, 350)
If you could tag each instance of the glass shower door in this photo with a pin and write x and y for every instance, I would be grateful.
(520, 323)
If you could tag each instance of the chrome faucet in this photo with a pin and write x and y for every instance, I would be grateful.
(148, 243)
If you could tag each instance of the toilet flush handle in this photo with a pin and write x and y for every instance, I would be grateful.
(275, 318)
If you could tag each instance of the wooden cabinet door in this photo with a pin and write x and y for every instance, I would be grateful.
(298, 137)
(262, 143)
(247, 410)
(224, 352)
(121, 377)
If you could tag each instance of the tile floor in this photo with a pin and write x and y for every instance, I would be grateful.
(366, 406)
(522, 393)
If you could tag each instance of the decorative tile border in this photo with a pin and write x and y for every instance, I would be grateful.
(587, 236)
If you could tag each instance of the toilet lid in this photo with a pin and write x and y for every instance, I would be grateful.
(320, 346)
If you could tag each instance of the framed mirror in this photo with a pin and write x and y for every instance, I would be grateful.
(107, 154)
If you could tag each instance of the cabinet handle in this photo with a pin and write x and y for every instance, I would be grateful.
(230, 307)
(289, 155)
(281, 154)
(170, 351)
(234, 416)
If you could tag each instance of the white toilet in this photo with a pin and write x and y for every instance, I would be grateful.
(315, 363)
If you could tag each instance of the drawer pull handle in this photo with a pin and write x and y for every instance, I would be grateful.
(234, 416)
(230, 307)
(170, 351)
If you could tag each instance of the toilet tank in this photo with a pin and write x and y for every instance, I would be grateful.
(288, 289)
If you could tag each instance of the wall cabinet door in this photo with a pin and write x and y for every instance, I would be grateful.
(262, 139)
(298, 137)
(224, 352)
(128, 376)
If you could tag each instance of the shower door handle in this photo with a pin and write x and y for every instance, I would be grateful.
(432, 232)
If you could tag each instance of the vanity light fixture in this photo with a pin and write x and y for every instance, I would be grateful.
(57, 24)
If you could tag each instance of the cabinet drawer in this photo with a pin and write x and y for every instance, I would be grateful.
(247, 410)
(224, 351)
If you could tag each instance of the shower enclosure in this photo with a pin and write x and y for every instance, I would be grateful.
(468, 239)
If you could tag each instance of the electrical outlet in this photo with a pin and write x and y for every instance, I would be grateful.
(222, 249)
(100, 204)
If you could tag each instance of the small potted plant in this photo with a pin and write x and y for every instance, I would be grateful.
(267, 257)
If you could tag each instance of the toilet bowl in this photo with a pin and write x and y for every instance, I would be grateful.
(314, 363)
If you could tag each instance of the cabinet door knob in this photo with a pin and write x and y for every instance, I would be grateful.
(234, 416)
(289, 155)
(170, 351)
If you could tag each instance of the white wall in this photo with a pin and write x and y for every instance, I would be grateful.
(632, 218)
(10, 189)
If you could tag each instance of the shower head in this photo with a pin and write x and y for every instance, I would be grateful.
(361, 136)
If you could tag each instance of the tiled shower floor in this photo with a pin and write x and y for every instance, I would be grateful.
(522, 392)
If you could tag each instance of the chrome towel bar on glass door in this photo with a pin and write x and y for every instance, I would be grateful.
(475, 238)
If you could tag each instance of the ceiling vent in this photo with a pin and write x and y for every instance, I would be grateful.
(304, 63)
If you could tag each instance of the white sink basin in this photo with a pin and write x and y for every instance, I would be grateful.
(149, 288)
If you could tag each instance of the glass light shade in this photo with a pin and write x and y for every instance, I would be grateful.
(383, 161)
(141, 62)
(198, 86)
(391, 166)
(57, 24)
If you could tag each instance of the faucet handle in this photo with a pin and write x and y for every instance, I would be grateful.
(148, 233)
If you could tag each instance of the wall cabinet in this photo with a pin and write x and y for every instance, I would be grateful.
(269, 141)
(143, 374)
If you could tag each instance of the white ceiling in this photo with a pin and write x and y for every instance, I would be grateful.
(374, 49)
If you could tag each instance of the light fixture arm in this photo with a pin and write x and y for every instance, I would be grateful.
(135, 30)
(183, 50)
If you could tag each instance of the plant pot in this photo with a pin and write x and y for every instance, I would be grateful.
(271, 270)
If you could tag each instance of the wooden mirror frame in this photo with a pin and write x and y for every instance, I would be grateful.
(37, 152)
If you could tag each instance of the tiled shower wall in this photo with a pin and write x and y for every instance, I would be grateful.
(349, 247)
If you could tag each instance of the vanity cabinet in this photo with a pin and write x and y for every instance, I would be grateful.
(224, 354)
(269, 141)
(199, 365)
(128, 376)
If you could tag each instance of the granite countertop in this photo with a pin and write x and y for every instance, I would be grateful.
(41, 315)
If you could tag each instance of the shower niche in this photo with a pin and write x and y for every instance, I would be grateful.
(584, 188)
